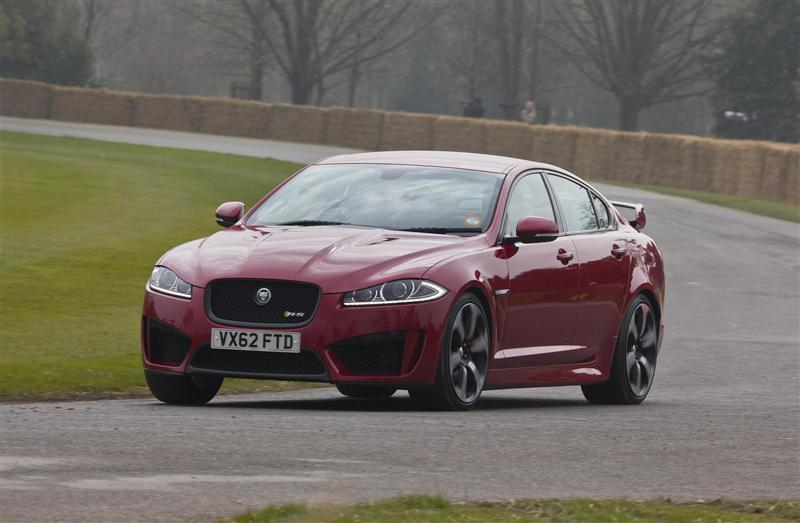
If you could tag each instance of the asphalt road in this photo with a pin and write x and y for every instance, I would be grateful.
(723, 418)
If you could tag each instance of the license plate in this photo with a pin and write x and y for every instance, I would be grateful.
(259, 341)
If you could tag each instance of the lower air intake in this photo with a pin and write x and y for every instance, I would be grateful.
(167, 345)
(374, 354)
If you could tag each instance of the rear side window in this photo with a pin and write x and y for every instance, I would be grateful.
(528, 198)
(600, 209)
(575, 204)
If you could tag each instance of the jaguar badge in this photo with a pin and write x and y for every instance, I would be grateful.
(263, 295)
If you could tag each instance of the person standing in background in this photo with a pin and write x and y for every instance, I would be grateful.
(528, 113)
(474, 109)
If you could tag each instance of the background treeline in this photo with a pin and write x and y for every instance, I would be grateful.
(709, 67)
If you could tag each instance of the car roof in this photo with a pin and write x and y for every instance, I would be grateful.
(444, 159)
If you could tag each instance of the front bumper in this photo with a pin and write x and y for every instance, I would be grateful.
(421, 323)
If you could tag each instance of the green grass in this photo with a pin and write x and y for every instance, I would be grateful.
(82, 224)
(423, 509)
(780, 210)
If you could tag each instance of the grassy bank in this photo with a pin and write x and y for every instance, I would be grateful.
(82, 224)
(433, 510)
(780, 210)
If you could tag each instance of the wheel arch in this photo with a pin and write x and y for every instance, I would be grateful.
(652, 296)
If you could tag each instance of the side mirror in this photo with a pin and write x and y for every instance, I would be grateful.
(533, 229)
(229, 213)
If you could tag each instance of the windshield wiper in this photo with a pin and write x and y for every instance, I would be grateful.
(308, 223)
(440, 230)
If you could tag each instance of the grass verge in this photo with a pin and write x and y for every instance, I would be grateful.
(82, 224)
(423, 509)
(780, 210)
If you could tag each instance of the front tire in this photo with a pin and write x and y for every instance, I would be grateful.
(182, 389)
(634, 364)
(365, 391)
(463, 360)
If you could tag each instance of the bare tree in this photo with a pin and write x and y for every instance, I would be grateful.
(107, 26)
(467, 47)
(237, 27)
(644, 52)
(318, 39)
(509, 25)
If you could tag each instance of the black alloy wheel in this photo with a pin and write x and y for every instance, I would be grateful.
(464, 359)
(634, 364)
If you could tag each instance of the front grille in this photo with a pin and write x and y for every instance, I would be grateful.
(167, 345)
(234, 302)
(304, 363)
(372, 354)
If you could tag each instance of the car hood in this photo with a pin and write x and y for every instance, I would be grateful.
(337, 258)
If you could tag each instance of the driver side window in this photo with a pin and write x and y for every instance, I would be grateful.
(529, 197)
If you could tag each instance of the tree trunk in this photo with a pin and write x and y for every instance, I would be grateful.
(256, 81)
(628, 115)
(509, 26)
(258, 50)
(302, 89)
(352, 85)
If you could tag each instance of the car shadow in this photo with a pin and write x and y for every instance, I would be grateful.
(398, 404)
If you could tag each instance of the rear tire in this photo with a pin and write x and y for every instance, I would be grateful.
(634, 363)
(365, 391)
(183, 389)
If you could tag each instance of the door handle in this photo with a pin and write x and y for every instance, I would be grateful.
(564, 256)
(617, 251)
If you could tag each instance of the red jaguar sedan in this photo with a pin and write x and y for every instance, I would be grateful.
(440, 273)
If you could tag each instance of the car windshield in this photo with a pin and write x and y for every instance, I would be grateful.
(403, 197)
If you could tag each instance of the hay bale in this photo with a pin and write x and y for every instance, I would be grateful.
(746, 178)
(404, 131)
(297, 123)
(682, 164)
(73, 104)
(780, 175)
(702, 164)
(25, 99)
(453, 133)
(594, 150)
(555, 145)
(663, 163)
(233, 117)
(508, 139)
(177, 113)
(358, 128)
(630, 157)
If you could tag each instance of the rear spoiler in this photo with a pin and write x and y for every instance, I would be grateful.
(639, 219)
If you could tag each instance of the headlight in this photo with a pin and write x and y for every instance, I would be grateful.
(165, 281)
(399, 291)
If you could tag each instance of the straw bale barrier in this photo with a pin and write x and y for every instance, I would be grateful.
(293, 123)
(178, 113)
(233, 117)
(359, 128)
(555, 145)
(25, 99)
(594, 152)
(73, 104)
(407, 132)
(459, 134)
(745, 168)
(508, 139)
